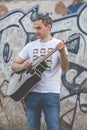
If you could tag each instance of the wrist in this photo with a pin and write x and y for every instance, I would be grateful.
(62, 50)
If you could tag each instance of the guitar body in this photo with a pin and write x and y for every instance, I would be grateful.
(20, 85)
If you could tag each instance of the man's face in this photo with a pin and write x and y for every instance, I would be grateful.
(41, 30)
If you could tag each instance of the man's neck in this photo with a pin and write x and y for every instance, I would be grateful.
(46, 39)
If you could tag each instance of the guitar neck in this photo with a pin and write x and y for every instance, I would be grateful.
(49, 54)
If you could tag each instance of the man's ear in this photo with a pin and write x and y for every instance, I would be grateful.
(49, 26)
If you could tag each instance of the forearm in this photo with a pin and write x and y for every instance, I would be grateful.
(19, 65)
(64, 60)
(18, 68)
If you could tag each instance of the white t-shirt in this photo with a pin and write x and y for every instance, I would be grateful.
(51, 77)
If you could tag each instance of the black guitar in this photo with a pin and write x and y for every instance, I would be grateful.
(21, 84)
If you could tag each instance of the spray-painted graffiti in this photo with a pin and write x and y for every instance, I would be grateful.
(75, 80)
(16, 30)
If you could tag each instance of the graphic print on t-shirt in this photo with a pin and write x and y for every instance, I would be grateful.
(40, 54)
(35, 54)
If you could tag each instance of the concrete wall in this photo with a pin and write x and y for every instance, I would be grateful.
(16, 30)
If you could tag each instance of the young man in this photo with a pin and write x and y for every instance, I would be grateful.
(45, 95)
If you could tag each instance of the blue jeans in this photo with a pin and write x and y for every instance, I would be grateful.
(49, 103)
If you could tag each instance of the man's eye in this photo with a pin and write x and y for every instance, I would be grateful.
(38, 28)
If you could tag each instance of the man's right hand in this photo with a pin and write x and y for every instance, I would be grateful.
(26, 64)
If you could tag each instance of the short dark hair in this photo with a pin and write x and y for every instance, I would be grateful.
(45, 19)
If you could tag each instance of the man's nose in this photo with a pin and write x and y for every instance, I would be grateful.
(36, 30)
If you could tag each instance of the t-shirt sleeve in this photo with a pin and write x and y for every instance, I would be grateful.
(24, 53)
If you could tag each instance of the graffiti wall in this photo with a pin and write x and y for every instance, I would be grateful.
(16, 30)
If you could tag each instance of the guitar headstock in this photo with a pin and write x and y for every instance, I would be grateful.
(73, 37)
